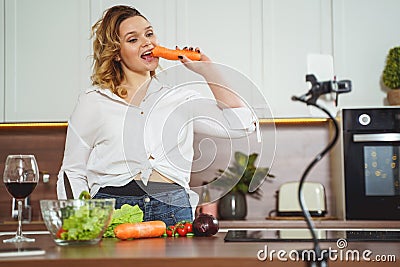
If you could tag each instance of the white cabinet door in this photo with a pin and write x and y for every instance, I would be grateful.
(230, 33)
(2, 60)
(364, 32)
(47, 60)
(291, 31)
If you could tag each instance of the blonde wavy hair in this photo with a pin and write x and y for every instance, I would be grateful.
(107, 71)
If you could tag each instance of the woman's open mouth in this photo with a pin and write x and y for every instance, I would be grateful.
(147, 56)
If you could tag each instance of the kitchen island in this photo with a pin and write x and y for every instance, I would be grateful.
(190, 251)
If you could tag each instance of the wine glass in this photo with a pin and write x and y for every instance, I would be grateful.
(20, 177)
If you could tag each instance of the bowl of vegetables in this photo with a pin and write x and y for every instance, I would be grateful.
(77, 221)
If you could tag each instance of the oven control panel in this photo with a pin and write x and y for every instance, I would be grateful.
(382, 119)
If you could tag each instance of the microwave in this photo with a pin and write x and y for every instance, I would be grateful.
(366, 164)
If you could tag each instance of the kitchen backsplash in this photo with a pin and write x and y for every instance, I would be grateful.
(47, 144)
(295, 146)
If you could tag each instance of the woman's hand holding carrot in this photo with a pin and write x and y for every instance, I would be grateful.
(200, 67)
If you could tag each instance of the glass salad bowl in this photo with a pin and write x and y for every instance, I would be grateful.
(77, 221)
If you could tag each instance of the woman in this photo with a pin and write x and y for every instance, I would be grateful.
(115, 147)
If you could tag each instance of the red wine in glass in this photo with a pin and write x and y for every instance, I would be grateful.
(20, 190)
(21, 175)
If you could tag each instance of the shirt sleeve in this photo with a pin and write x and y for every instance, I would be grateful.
(226, 123)
(81, 134)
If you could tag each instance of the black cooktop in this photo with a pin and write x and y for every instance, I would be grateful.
(303, 235)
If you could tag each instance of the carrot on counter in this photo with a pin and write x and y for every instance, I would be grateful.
(172, 54)
(140, 230)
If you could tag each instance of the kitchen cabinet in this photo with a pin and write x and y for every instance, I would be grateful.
(45, 48)
(364, 32)
(291, 31)
(2, 63)
(358, 34)
(46, 58)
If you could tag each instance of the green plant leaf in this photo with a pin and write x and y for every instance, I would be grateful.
(252, 159)
(242, 187)
(259, 177)
(391, 72)
(242, 175)
(241, 159)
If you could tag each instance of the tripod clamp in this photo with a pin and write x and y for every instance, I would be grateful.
(321, 88)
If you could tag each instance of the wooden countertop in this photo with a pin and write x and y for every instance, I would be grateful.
(300, 223)
(267, 224)
(193, 252)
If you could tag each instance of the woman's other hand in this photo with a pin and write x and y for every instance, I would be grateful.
(197, 66)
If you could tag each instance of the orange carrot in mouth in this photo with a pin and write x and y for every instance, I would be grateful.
(173, 54)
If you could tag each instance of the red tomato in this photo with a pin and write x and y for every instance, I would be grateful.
(182, 231)
(189, 227)
(170, 230)
(60, 231)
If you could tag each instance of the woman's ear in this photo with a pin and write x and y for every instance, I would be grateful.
(117, 58)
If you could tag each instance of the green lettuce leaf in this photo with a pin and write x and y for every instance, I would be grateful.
(126, 214)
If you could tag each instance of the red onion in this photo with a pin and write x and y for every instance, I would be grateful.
(205, 225)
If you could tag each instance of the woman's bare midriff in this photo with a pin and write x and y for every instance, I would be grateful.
(155, 177)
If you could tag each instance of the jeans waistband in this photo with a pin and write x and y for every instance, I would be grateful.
(137, 188)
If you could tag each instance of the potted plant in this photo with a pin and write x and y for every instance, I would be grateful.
(237, 178)
(391, 75)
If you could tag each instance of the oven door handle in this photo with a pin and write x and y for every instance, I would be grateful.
(381, 137)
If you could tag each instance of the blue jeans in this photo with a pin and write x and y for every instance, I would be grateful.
(170, 207)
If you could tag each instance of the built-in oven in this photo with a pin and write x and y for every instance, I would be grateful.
(367, 164)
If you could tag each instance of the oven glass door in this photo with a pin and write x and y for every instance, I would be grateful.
(381, 170)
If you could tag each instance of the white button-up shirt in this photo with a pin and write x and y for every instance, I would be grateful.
(110, 141)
